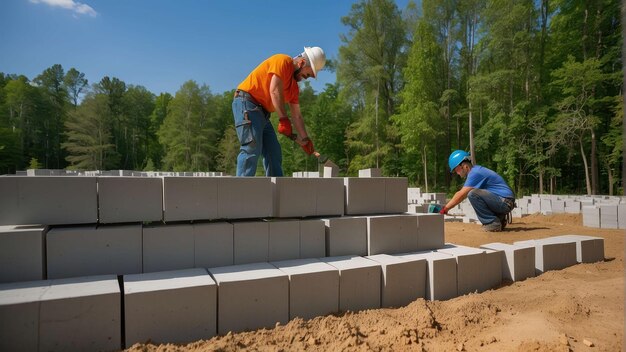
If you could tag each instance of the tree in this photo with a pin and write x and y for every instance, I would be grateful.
(228, 150)
(138, 106)
(50, 81)
(75, 83)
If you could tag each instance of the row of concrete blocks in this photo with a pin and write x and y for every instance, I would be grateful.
(63, 172)
(35, 253)
(83, 200)
(606, 216)
(187, 305)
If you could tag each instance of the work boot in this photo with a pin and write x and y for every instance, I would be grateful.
(495, 226)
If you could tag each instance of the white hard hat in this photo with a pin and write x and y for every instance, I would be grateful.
(317, 58)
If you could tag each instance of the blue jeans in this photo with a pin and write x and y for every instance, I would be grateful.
(256, 137)
(488, 206)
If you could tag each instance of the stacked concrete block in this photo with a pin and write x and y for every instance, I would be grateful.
(284, 240)
(572, 207)
(359, 282)
(417, 209)
(94, 250)
(48, 200)
(312, 238)
(346, 236)
(518, 263)
(551, 253)
(313, 287)
(170, 307)
(546, 206)
(376, 195)
(189, 198)
(477, 271)
(558, 206)
(300, 197)
(591, 216)
(390, 234)
(372, 172)
(403, 281)
(213, 244)
(621, 216)
(22, 253)
(430, 231)
(589, 249)
(414, 195)
(77, 314)
(251, 242)
(251, 296)
(441, 277)
(244, 197)
(168, 247)
(129, 199)
(330, 169)
(608, 216)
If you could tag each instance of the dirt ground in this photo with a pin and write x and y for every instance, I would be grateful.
(557, 311)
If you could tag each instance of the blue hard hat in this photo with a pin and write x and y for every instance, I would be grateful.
(456, 158)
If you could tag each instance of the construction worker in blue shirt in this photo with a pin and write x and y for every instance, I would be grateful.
(490, 195)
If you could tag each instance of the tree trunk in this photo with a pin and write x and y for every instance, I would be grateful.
(582, 153)
(424, 162)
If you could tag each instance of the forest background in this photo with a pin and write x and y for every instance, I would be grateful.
(532, 88)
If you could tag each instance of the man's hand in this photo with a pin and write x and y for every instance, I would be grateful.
(284, 126)
(307, 145)
(443, 211)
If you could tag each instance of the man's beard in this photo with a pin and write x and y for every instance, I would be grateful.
(295, 75)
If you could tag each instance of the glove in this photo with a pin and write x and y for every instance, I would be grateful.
(308, 147)
(284, 126)
(443, 211)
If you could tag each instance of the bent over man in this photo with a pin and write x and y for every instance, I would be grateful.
(266, 89)
(490, 196)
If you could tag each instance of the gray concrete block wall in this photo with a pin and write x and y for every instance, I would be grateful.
(395, 194)
(213, 244)
(329, 196)
(22, 253)
(313, 287)
(75, 314)
(189, 198)
(48, 200)
(89, 250)
(312, 238)
(359, 282)
(589, 249)
(591, 216)
(284, 240)
(293, 197)
(608, 216)
(346, 236)
(168, 247)
(129, 199)
(170, 307)
(551, 253)
(390, 234)
(441, 278)
(403, 280)
(471, 267)
(365, 195)
(251, 296)
(518, 263)
(430, 231)
(244, 197)
(251, 242)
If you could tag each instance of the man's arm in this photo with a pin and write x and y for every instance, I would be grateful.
(276, 92)
(457, 198)
(298, 121)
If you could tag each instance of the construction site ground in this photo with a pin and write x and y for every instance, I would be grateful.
(580, 308)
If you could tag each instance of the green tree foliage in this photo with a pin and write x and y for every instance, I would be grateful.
(50, 81)
(75, 83)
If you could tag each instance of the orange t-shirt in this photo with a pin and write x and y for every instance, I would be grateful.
(258, 81)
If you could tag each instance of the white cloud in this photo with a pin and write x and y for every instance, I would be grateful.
(77, 7)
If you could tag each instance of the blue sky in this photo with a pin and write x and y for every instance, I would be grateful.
(160, 44)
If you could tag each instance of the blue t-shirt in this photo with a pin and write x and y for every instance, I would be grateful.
(483, 178)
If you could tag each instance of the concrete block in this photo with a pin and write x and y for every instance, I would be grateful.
(251, 244)
(471, 268)
(546, 206)
(90, 250)
(312, 238)
(558, 206)
(518, 263)
(390, 234)
(330, 169)
(313, 287)
(492, 276)
(168, 247)
(608, 216)
(213, 244)
(244, 197)
(329, 194)
(551, 253)
(189, 198)
(403, 281)
(589, 249)
(371, 172)
(591, 216)
(251, 296)
(48, 200)
(130, 199)
(170, 307)
(77, 314)
(22, 253)
(441, 277)
(430, 231)
(395, 194)
(621, 216)
(572, 207)
(293, 197)
(346, 236)
(364, 196)
(284, 240)
(359, 282)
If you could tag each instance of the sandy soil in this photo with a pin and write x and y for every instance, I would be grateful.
(557, 311)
